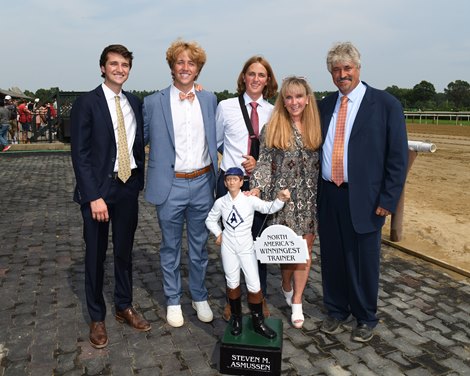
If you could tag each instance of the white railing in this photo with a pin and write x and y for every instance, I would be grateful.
(435, 116)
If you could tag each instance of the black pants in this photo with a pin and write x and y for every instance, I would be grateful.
(123, 209)
(350, 262)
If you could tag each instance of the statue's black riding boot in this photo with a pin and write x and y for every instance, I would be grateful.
(236, 307)
(234, 298)
(255, 302)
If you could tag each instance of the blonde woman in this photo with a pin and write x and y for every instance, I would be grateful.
(289, 158)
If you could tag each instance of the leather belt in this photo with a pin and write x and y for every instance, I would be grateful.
(193, 174)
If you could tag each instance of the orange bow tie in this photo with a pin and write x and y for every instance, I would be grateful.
(189, 96)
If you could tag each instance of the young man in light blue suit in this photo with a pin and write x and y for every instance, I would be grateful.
(179, 125)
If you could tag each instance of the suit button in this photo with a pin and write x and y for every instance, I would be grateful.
(110, 176)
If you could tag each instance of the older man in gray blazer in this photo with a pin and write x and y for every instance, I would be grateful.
(179, 125)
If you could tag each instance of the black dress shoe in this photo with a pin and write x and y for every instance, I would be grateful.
(362, 333)
(331, 325)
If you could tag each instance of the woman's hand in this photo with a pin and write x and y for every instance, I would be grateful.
(254, 192)
(284, 195)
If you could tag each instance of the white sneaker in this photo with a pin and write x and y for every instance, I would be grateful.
(203, 310)
(174, 316)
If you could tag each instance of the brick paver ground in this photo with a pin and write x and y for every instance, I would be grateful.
(424, 312)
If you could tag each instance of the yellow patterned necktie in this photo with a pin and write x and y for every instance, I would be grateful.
(124, 162)
(337, 169)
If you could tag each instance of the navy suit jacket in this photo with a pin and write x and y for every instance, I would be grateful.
(93, 145)
(159, 133)
(377, 156)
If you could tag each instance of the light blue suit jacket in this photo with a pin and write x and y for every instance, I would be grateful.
(159, 134)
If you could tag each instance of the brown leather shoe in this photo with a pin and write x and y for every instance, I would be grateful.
(98, 337)
(227, 312)
(133, 319)
(266, 312)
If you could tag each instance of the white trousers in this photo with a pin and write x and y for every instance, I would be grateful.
(233, 262)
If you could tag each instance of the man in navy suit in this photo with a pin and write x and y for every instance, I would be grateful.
(179, 125)
(362, 179)
(104, 196)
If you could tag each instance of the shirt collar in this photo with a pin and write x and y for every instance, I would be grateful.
(248, 100)
(109, 94)
(358, 92)
(175, 91)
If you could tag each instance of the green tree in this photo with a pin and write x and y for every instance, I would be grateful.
(401, 94)
(422, 95)
(442, 102)
(224, 95)
(46, 95)
(458, 92)
(141, 94)
(29, 93)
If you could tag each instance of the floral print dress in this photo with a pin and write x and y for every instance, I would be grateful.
(296, 169)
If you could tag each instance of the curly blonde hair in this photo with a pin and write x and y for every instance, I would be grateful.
(195, 52)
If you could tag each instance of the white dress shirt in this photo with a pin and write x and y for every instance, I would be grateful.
(231, 128)
(237, 218)
(129, 122)
(192, 152)
(354, 101)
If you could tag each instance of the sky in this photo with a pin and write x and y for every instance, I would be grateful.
(57, 43)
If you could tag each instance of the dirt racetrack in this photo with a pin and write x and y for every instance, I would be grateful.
(436, 218)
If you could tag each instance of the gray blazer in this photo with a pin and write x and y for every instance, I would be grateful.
(159, 134)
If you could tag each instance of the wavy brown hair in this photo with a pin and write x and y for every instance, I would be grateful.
(117, 49)
(270, 89)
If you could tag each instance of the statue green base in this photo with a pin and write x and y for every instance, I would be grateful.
(250, 353)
